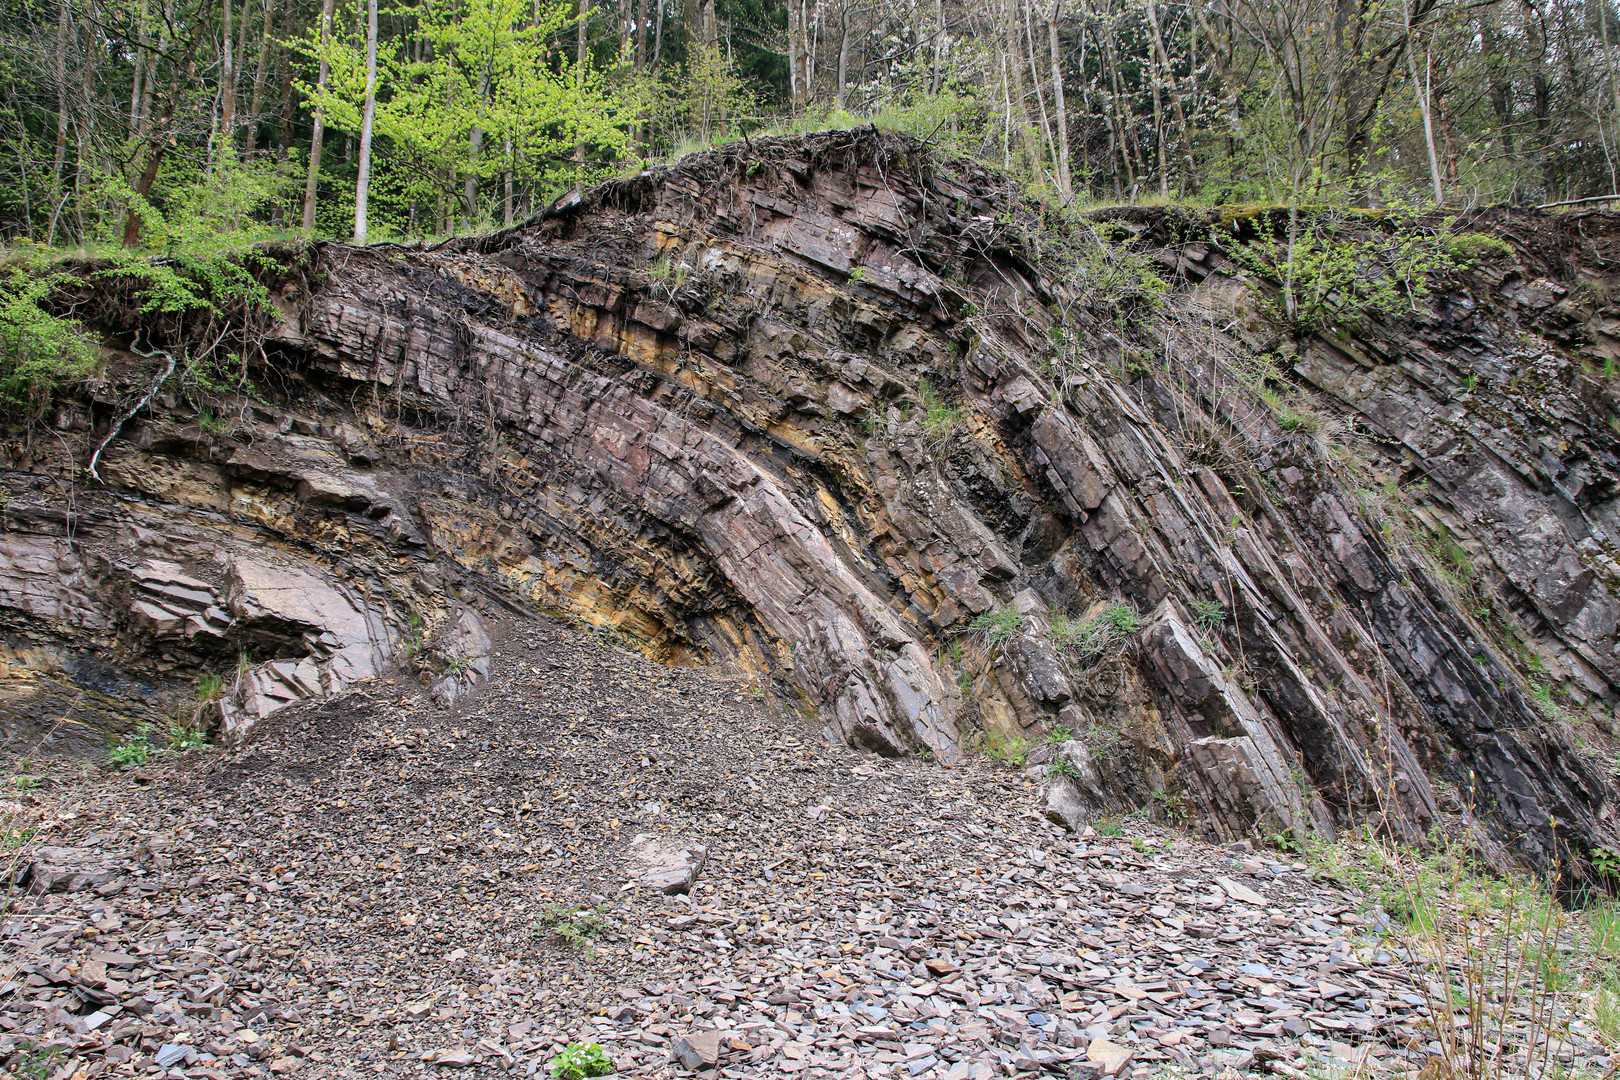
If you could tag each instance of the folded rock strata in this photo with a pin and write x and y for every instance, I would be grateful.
(819, 408)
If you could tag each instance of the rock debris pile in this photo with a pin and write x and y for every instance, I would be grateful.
(372, 887)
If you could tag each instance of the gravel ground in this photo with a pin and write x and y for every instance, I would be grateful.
(373, 886)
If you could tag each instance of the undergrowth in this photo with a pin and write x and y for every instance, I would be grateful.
(1501, 965)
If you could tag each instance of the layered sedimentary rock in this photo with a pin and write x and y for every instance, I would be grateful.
(832, 412)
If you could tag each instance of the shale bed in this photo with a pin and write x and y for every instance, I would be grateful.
(372, 885)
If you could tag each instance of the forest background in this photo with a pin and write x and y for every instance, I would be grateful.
(158, 125)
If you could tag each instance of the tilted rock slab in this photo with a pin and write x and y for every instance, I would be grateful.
(687, 408)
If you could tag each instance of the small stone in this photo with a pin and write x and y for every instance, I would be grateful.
(1241, 893)
(284, 1065)
(171, 1054)
(670, 869)
(1111, 1056)
(697, 1049)
(455, 1059)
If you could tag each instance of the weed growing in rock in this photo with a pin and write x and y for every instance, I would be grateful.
(940, 419)
(1059, 735)
(209, 686)
(996, 626)
(575, 927)
(34, 1061)
(1110, 826)
(183, 737)
(210, 422)
(578, 1061)
(132, 749)
(1209, 614)
(1011, 751)
(1092, 638)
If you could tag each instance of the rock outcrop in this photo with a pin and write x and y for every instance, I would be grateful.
(832, 412)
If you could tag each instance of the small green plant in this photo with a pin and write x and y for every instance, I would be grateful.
(996, 626)
(859, 276)
(1606, 862)
(209, 686)
(23, 778)
(1011, 751)
(1101, 739)
(1173, 805)
(1109, 826)
(1209, 614)
(939, 419)
(579, 1061)
(1062, 767)
(1541, 693)
(1091, 638)
(576, 927)
(670, 276)
(1059, 735)
(183, 737)
(36, 1062)
(211, 422)
(1471, 247)
(132, 749)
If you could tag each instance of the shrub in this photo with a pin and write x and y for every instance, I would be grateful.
(182, 737)
(1091, 638)
(132, 749)
(40, 354)
(578, 1061)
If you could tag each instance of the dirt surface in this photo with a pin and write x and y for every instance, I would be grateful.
(374, 886)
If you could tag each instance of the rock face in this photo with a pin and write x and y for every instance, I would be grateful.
(826, 410)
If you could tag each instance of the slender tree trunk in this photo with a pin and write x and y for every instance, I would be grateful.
(1040, 93)
(795, 89)
(843, 54)
(59, 156)
(1061, 134)
(658, 33)
(641, 35)
(261, 71)
(363, 183)
(227, 82)
(506, 183)
(318, 134)
(139, 73)
(1420, 88)
(1190, 182)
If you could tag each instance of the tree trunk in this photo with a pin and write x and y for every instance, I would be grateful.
(843, 54)
(318, 135)
(139, 74)
(795, 88)
(1061, 134)
(59, 157)
(227, 82)
(363, 183)
(261, 70)
(1421, 90)
(1189, 161)
(641, 35)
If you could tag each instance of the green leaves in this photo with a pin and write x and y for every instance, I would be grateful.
(39, 352)
(475, 90)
